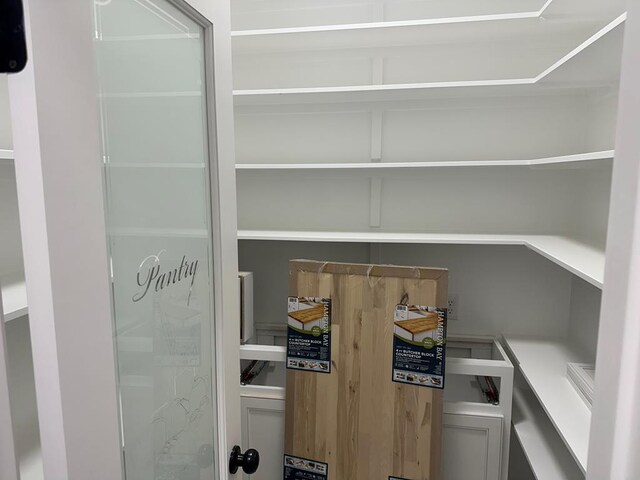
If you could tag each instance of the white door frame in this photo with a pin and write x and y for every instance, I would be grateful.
(615, 426)
(54, 113)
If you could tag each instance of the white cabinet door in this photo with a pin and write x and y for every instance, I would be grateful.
(472, 447)
(123, 144)
(263, 429)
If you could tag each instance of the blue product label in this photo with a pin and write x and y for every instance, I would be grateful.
(297, 468)
(309, 334)
(419, 336)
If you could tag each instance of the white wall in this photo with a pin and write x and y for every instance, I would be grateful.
(269, 263)
(585, 316)
(501, 289)
(247, 14)
(10, 244)
(5, 127)
(500, 200)
(451, 129)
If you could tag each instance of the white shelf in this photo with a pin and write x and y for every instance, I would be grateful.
(507, 27)
(14, 296)
(543, 448)
(582, 74)
(293, 33)
(543, 363)
(160, 232)
(582, 260)
(565, 160)
(6, 155)
(151, 94)
(150, 37)
(156, 165)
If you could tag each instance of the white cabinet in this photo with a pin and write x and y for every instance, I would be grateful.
(465, 436)
(263, 429)
(473, 429)
(472, 437)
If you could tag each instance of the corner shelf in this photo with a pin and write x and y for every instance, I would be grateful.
(584, 261)
(14, 296)
(551, 81)
(543, 448)
(560, 161)
(543, 363)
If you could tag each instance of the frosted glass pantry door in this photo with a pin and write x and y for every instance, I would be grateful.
(151, 71)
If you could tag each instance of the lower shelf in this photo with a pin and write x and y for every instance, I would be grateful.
(582, 260)
(14, 296)
(543, 364)
(545, 452)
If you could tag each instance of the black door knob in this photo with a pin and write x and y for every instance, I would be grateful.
(249, 460)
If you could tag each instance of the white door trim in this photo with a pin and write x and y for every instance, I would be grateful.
(223, 183)
(615, 425)
(59, 180)
(60, 194)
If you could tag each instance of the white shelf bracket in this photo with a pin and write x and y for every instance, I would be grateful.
(375, 202)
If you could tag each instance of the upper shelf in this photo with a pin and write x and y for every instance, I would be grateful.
(584, 261)
(258, 18)
(543, 363)
(561, 161)
(441, 31)
(592, 64)
(14, 296)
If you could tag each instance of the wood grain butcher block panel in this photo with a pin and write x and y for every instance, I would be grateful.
(419, 325)
(309, 314)
(356, 419)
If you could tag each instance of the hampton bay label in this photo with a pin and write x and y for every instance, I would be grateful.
(419, 335)
(309, 334)
(297, 468)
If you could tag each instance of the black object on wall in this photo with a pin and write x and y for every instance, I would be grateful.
(13, 46)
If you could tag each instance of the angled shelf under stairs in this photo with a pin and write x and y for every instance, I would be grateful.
(585, 68)
(582, 260)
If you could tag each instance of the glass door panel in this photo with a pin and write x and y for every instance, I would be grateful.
(151, 70)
